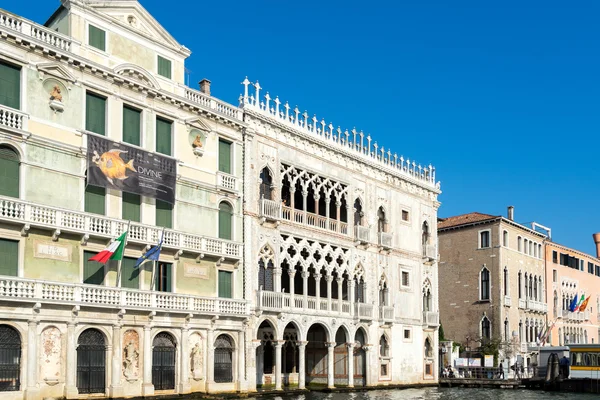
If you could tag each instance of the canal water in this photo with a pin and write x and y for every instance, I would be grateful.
(439, 394)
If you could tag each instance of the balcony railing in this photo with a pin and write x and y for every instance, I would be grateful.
(226, 182)
(37, 32)
(431, 318)
(430, 252)
(522, 303)
(536, 306)
(524, 348)
(23, 290)
(362, 233)
(212, 103)
(13, 119)
(310, 219)
(385, 240)
(386, 313)
(60, 220)
(507, 301)
(270, 209)
(363, 310)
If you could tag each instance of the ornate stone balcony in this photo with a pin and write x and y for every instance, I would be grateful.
(30, 215)
(13, 119)
(362, 234)
(226, 182)
(270, 210)
(386, 313)
(430, 252)
(536, 306)
(431, 318)
(522, 303)
(507, 301)
(36, 32)
(313, 220)
(35, 291)
(385, 240)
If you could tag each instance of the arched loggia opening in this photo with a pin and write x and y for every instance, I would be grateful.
(163, 361)
(316, 354)
(266, 184)
(91, 362)
(340, 363)
(265, 354)
(290, 354)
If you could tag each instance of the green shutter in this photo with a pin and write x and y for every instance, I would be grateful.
(131, 125)
(225, 284)
(163, 136)
(163, 277)
(225, 157)
(95, 113)
(225, 220)
(9, 257)
(93, 271)
(10, 85)
(94, 200)
(9, 172)
(97, 38)
(164, 67)
(130, 276)
(164, 214)
(131, 207)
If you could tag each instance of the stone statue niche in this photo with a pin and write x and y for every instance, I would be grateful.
(51, 355)
(131, 355)
(196, 356)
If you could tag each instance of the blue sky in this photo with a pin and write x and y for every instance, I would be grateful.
(502, 97)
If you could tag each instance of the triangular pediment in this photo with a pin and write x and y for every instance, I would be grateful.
(198, 123)
(139, 74)
(56, 70)
(131, 15)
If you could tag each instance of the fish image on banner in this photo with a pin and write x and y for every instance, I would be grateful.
(130, 169)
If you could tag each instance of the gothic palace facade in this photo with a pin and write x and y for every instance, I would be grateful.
(292, 252)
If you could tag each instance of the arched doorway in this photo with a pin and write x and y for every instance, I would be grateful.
(265, 354)
(316, 354)
(340, 363)
(10, 359)
(91, 362)
(360, 358)
(223, 359)
(290, 355)
(163, 361)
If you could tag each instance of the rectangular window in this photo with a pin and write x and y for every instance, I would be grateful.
(164, 67)
(163, 277)
(384, 369)
(225, 284)
(224, 156)
(9, 257)
(131, 125)
(590, 268)
(130, 276)
(484, 239)
(505, 238)
(163, 136)
(93, 271)
(95, 113)
(405, 279)
(597, 270)
(97, 38)
(555, 257)
(10, 85)
(131, 207)
(164, 214)
(406, 334)
(564, 259)
(404, 215)
(94, 200)
(554, 276)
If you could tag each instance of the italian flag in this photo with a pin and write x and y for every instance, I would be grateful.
(112, 252)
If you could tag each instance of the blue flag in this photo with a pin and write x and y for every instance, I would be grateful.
(153, 254)
(573, 304)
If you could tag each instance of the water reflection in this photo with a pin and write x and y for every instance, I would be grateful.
(439, 394)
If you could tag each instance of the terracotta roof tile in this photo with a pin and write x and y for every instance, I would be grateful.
(464, 219)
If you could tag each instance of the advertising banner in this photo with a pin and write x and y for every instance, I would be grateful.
(130, 169)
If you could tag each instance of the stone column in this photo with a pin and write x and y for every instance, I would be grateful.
(184, 375)
(302, 364)
(369, 366)
(330, 365)
(340, 281)
(116, 389)
(317, 277)
(71, 361)
(277, 279)
(260, 362)
(241, 364)
(316, 198)
(278, 344)
(350, 347)
(329, 278)
(147, 386)
(32, 392)
(292, 275)
(338, 205)
(305, 275)
(304, 203)
(327, 201)
(292, 202)
(210, 359)
(351, 295)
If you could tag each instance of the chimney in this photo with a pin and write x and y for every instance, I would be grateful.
(205, 86)
(596, 237)
(511, 213)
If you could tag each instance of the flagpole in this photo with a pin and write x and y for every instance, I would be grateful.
(153, 279)
(121, 260)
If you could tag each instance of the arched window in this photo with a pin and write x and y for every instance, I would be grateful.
(266, 184)
(506, 330)
(520, 330)
(10, 358)
(381, 224)
(526, 242)
(384, 348)
(223, 359)
(9, 171)
(519, 244)
(506, 282)
(265, 275)
(427, 296)
(425, 234)
(358, 212)
(485, 284)
(383, 292)
(163, 361)
(505, 238)
(526, 286)
(486, 330)
(520, 285)
(225, 220)
(555, 303)
(359, 290)
(428, 348)
(91, 362)
(535, 289)
(531, 286)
